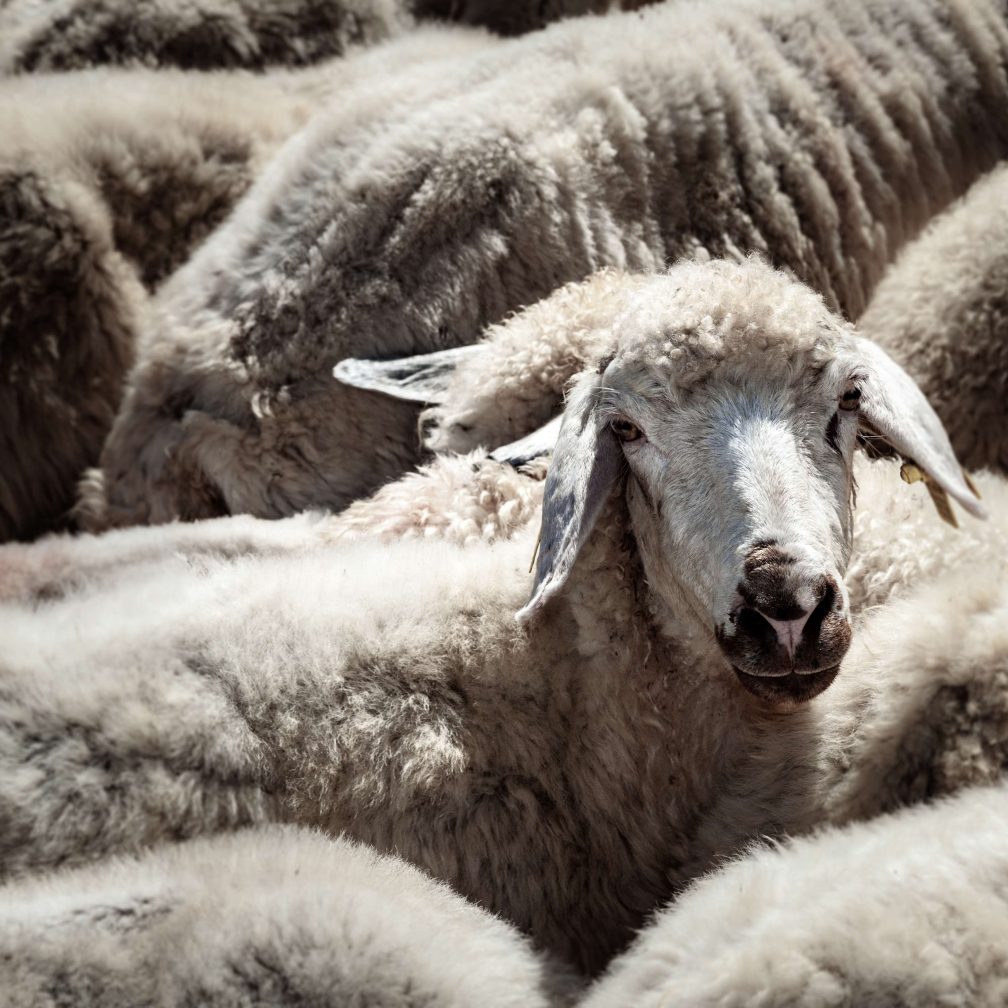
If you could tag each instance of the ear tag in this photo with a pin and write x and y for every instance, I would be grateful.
(910, 472)
(535, 552)
(971, 484)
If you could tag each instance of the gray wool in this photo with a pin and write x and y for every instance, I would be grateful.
(823, 134)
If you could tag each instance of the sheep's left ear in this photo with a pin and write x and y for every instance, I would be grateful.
(893, 407)
(587, 464)
(422, 378)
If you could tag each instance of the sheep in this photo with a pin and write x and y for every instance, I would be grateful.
(108, 180)
(942, 310)
(911, 909)
(267, 916)
(531, 163)
(362, 689)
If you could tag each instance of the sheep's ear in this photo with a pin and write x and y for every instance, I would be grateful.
(893, 408)
(422, 378)
(540, 442)
(587, 464)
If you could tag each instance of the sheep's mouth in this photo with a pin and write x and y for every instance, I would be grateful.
(795, 688)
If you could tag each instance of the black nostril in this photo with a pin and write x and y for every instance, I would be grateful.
(754, 625)
(818, 615)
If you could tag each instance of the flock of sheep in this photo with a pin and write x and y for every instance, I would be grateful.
(650, 298)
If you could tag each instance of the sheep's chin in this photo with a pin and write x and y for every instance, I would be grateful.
(788, 690)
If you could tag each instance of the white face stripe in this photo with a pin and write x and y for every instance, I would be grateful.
(743, 463)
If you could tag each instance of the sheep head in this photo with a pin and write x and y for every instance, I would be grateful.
(728, 414)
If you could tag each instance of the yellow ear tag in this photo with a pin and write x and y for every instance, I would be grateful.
(910, 472)
(971, 484)
(535, 552)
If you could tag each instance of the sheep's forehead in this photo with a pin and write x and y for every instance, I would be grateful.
(703, 322)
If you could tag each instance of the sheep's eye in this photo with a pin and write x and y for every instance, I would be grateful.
(624, 430)
(851, 399)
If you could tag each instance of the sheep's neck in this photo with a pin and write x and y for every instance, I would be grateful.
(660, 728)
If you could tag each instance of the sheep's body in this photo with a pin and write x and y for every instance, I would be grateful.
(108, 180)
(363, 690)
(908, 910)
(248, 694)
(943, 310)
(535, 162)
(268, 916)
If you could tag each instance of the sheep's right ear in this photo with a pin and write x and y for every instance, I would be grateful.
(422, 378)
(587, 464)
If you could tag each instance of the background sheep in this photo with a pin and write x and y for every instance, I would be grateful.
(532, 163)
(363, 689)
(108, 180)
(191, 35)
(249, 34)
(268, 916)
(909, 910)
(942, 310)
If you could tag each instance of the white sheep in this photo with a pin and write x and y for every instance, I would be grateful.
(906, 910)
(571, 772)
(275, 915)
(942, 311)
(824, 133)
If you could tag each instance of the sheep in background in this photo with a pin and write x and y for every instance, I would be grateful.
(535, 162)
(268, 916)
(942, 310)
(240, 34)
(363, 689)
(108, 180)
(908, 910)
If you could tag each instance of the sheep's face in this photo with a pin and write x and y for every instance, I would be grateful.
(729, 416)
(739, 490)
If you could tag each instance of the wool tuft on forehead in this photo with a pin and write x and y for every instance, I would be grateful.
(701, 317)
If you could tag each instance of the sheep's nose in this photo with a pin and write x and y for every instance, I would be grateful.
(787, 627)
(790, 630)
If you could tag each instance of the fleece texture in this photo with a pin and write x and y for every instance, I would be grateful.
(822, 134)
(40, 35)
(274, 916)
(908, 910)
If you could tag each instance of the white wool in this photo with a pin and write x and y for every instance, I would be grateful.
(909, 909)
(265, 916)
